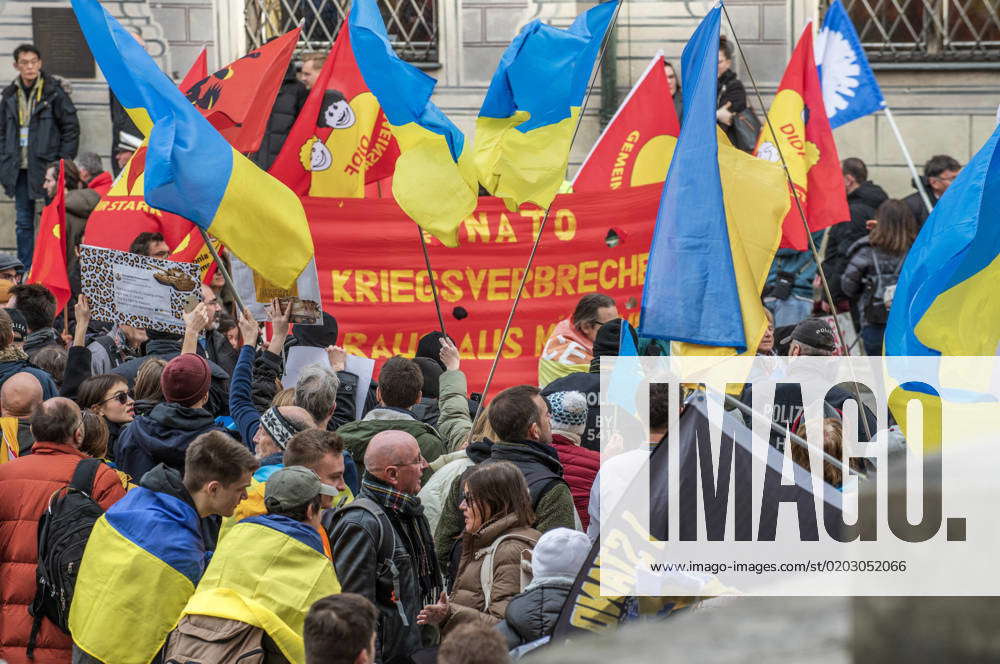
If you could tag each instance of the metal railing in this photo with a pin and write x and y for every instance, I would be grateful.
(412, 24)
(928, 30)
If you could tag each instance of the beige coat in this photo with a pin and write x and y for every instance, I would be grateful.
(467, 601)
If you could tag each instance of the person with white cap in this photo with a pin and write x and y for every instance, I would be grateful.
(555, 563)
(568, 411)
(245, 592)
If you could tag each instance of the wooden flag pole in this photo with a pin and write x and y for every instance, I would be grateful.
(223, 270)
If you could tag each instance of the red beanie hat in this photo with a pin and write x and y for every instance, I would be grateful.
(185, 379)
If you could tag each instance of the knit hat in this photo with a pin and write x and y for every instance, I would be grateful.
(278, 427)
(560, 552)
(429, 346)
(318, 336)
(185, 379)
(568, 412)
(431, 371)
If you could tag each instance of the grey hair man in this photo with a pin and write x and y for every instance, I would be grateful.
(316, 391)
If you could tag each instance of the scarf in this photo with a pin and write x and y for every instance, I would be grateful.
(13, 354)
(407, 516)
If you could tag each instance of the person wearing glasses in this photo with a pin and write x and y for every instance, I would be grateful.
(109, 396)
(382, 545)
(939, 172)
(38, 125)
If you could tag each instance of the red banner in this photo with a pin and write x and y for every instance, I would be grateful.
(375, 283)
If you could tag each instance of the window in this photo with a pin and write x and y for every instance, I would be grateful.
(411, 24)
(928, 30)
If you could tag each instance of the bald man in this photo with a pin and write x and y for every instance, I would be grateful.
(388, 511)
(20, 395)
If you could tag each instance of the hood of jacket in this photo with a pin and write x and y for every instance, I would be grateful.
(534, 613)
(868, 193)
(480, 450)
(426, 410)
(163, 479)
(528, 451)
(46, 336)
(389, 413)
(167, 431)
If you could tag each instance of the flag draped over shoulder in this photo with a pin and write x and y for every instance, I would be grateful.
(48, 265)
(190, 168)
(850, 90)
(143, 558)
(267, 572)
(690, 292)
(526, 123)
(341, 139)
(634, 149)
(798, 115)
(237, 99)
(431, 183)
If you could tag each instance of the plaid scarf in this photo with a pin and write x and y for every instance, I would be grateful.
(407, 516)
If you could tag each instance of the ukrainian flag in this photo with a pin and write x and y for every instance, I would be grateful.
(191, 170)
(431, 183)
(945, 301)
(142, 562)
(267, 573)
(526, 123)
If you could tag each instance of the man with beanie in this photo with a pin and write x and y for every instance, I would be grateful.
(580, 465)
(163, 436)
(606, 343)
(555, 562)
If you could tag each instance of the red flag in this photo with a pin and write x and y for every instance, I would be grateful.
(237, 99)
(198, 71)
(798, 115)
(48, 265)
(633, 149)
(341, 139)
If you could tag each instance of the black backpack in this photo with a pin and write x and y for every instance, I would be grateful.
(881, 291)
(63, 531)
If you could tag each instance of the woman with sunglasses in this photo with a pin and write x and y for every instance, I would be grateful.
(108, 395)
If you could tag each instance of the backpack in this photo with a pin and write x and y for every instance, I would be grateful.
(486, 570)
(63, 530)
(881, 292)
(201, 639)
(386, 567)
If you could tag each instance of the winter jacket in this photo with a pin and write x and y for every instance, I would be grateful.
(590, 385)
(550, 495)
(730, 90)
(14, 360)
(917, 207)
(26, 484)
(78, 369)
(101, 183)
(355, 541)
(426, 410)
(533, 614)
(840, 238)
(79, 204)
(357, 434)
(467, 602)
(291, 97)
(162, 436)
(580, 467)
(39, 339)
(868, 193)
(218, 391)
(454, 421)
(218, 349)
(860, 271)
(53, 134)
(101, 360)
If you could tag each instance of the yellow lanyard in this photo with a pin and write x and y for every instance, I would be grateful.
(38, 97)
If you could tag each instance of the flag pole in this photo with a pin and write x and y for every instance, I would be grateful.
(222, 269)
(430, 278)
(798, 206)
(541, 229)
(909, 160)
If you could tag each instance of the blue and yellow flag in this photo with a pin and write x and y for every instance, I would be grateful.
(526, 123)
(691, 293)
(142, 562)
(190, 168)
(431, 183)
(267, 572)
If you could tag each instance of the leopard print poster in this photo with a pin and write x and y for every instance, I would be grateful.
(137, 290)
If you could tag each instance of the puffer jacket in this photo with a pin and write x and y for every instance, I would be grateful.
(291, 97)
(163, 436)
(53, 134)
(26, 485)
(467, 600)
(580, 467)
(860, 271)
(534, 613)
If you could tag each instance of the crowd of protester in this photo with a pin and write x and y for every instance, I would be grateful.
(229, 518)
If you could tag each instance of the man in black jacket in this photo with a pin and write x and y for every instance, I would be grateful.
(386, 524)
(939, 172)
(38, 125)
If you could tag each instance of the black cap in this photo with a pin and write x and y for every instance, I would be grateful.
(18, 323)
(9, 261)
(814, 332)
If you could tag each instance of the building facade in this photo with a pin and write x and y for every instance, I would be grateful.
(938, 61)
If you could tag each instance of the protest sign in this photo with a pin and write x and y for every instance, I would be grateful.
(368, 253)
(141, 291)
